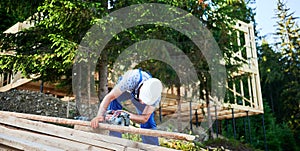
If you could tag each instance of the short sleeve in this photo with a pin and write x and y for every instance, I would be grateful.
(129, 81)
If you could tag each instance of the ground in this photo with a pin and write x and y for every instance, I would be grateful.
(24, 101)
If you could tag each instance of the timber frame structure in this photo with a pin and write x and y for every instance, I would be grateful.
(244, 96)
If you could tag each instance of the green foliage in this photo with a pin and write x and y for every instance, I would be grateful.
(289, 46)
(230, 144)
(62, 24)
(276, 134)
(279, 71)
(181, 145)
(49, 47)
(133, 137)
(13, 11)
(272, 78)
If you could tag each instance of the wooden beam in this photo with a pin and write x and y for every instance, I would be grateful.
(92, 130)
(14, 85)
(107, 142)
(244, 108)
(117, 128)
(54, 130)
(222, 113)
(184, 107)
(25, 144)
(51, 141)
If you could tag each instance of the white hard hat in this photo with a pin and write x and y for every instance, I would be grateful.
(150, 91)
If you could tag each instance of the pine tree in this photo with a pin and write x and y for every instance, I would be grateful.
(289, 45)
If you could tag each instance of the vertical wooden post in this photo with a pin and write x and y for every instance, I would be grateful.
(68, 107)
(253, 82)
(250, 91)
(249, 127)
(254, 53)
(216, 118)
(42, 86)
(233, 123)
(8, 78)
(239, 53)
(191, 116)
(11, 77)
(264, 131)
(197, 121)
(227, 129)
(1, 80)
(160, 112)
(245, 130)
(234, 93)
(242, 91)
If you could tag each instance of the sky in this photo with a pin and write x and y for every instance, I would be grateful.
(265, 11)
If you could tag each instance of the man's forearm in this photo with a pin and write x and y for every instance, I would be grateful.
(104, 104)
(139, 118)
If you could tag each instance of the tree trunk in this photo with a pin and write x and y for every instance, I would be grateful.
(103, 63)
(79, 86)
(179, 108)
(103, 84)
(209, 122)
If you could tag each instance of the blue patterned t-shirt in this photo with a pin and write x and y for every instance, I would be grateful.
(132, 80)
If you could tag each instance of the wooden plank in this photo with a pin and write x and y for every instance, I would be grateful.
(187, 113)
(138, 146)
(222, 113)
(241, 95)
(117, 128)
(8, 53)
(8, 148)
(14, 29)
(14, 85)
(242, 26)
(108, 142)
(58, 131)
(221, 117)
(90, 129)
(60, 143)
(25, 144)
(184, 107)
(245, 108)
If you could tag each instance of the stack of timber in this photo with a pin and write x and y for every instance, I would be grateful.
(20, 131)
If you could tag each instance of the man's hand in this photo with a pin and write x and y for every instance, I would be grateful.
(95, 121)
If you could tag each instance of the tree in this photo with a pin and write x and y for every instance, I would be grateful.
(49, 47)
(272, 77)
(289, 46)
(15, 11)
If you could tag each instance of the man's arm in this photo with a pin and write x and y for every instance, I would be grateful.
(113, 94)
(143, 118)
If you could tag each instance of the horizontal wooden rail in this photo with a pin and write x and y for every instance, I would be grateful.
(122, 129)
